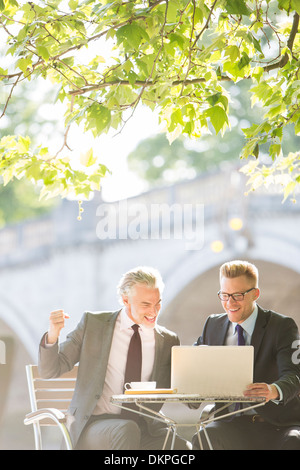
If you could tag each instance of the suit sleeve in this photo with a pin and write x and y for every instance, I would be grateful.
(60, 358)
(202, 339)
(288, 370)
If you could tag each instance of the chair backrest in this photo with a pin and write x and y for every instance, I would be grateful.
(50, 393)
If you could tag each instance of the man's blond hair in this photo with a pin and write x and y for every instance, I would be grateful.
(238, 268)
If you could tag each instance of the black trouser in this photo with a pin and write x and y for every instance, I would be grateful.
(242, 433)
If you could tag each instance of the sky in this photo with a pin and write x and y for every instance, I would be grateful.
(112, 150)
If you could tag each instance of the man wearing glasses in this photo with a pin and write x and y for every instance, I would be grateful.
(276, 368)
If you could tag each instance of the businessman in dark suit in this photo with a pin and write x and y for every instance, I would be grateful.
(100, 344)
(276, 365)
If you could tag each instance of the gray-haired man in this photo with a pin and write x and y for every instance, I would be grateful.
(100, 344)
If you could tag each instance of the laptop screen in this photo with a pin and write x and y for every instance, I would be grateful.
(212, 371)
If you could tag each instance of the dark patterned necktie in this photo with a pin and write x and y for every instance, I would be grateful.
(241, 342)
(133, 369)
(240, 332)
(134, 358)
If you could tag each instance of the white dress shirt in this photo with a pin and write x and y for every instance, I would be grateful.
(114, 380)
(248, 327)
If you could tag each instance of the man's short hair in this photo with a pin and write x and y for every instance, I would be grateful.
(238, 268)
(144, 275)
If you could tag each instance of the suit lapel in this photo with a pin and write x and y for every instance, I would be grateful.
(222, 331)
(259, 330)
(104, 340)
(159, 344)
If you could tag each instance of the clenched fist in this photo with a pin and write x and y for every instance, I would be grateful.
(56, 324)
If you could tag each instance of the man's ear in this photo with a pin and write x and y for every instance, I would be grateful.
(125, 300)
(257, 293)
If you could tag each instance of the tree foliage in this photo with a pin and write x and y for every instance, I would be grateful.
(19, 200)
(158, 163)
(174, 56)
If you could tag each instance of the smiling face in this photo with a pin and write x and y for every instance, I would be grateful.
(143, 304)
(239, 311)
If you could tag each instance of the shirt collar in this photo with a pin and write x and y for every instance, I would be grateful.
(125, 321)
(249, 324)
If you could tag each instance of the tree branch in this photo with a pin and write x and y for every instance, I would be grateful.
(284, 59)
(10, 95)
(143, 83)
(148, 83)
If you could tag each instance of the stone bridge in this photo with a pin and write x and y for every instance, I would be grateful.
(186, 231)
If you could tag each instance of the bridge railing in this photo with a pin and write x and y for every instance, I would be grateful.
(220, 192)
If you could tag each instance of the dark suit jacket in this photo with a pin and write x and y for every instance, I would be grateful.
(89, 344)
(273, 339)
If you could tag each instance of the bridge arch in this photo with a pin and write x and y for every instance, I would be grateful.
(18, 320)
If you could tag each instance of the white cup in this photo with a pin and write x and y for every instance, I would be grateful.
(140, 386)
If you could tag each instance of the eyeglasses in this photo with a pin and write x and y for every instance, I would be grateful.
(238, 297)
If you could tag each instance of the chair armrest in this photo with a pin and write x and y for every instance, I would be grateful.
(57, 416)
(52, 413)
(207, 411)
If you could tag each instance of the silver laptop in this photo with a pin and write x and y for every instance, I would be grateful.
(212, 371)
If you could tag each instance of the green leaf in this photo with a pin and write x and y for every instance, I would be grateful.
(3, 72)
(198, 16)
(23, 144)
(24, 63)
(297, 127)
(289, 5)
(237, 7)
(132, 77)
(172, 11)
(275, 150)
(244, 60)
(43, 52)
(177, 39)
(98, 119)
(256, 43)
(233, 52)
(256, 151)
(262, 91)
(73, 4)
(250, 148)
(88, 158)
(214, 98)
(296, 6)
(257, 73)
(275, 111)
(176, 118)
(34, 171)
(218, 117)
(132, 35)
(290, 187)
(256, 129)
